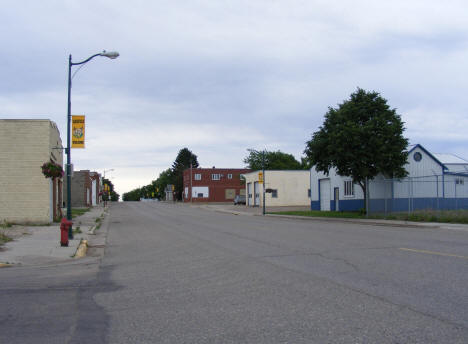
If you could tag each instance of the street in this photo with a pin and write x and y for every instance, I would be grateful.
(173, 273)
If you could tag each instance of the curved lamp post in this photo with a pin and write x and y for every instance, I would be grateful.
(107, 171)
(111, 55)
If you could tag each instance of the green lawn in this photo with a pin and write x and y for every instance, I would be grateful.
(445, 216)
(317, 213)
(79, 211)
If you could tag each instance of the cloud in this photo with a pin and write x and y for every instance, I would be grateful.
(219, 77)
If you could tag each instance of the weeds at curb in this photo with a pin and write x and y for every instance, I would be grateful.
(4, 238)
(5, 224)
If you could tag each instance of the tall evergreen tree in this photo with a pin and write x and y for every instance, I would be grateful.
(184, 160)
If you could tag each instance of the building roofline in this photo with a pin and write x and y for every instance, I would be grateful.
(428, 153)
(216, 168)
(308, 170)
(464, 174)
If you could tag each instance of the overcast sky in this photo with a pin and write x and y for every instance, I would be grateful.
(219, 77)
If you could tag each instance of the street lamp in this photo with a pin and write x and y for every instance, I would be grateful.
(111, 55)
(107, 171)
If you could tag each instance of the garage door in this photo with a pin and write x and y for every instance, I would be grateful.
(325, 194)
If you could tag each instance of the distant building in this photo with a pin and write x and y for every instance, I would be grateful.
(213, 184)
(169, 191)
(95, 188)
(283, 188)
(26, 196)
(85, 188)
(434, 181)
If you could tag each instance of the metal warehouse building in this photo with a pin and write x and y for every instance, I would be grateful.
(434, 181)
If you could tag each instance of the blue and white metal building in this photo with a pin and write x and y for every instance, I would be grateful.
(434, 181)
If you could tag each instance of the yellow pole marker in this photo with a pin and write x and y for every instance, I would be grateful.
(81, 251)
(433, 253)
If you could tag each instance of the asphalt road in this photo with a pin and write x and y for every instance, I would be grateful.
(176, 274)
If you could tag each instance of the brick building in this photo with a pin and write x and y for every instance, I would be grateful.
(85, 187)
(213, 184)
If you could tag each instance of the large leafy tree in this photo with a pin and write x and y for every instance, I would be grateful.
(153, 190)
(113, 196)
(159, 185)
(272, 160)
(184, 160)
(361, 138)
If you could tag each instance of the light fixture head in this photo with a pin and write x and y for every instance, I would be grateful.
(110, 54)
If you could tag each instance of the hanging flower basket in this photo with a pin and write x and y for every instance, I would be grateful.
(52, 170)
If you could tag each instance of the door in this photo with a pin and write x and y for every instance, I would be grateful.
(230, 194)
(51, 200)
(325, 194)
(249, 194)
(94, 193)
(337, 199)
(256, 194)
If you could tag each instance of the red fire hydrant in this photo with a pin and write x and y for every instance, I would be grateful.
(64, 227)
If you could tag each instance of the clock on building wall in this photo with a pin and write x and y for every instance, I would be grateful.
(417, 156)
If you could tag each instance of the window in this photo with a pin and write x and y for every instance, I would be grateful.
(348, 188)
(229, 176)
(459, 181)
(215, 176)
(417, 157)
(309, 193)
(197, 176)
(200, 195)
(274, 193)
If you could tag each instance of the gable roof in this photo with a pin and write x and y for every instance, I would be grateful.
(430, 155)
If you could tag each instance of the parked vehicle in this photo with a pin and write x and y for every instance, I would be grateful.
(239, 199)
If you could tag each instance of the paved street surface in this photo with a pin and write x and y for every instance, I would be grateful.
(179, 274)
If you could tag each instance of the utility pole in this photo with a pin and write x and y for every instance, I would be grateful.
(191, 192)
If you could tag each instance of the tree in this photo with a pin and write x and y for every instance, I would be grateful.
(153, 190)
(361, 138)
(273, 160)
(165, 178)
(184, 160)
(113, 196)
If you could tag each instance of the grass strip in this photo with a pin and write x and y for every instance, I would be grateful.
(317, 213)
(79, 211)
(442, 216)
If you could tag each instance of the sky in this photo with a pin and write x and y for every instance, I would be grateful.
(220, 77)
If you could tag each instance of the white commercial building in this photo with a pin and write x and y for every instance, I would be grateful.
(283, 188)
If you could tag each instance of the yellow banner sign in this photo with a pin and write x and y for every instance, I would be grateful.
(260, 177)
(78, 132)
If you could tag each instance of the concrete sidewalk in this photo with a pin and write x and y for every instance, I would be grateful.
(39, 245)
